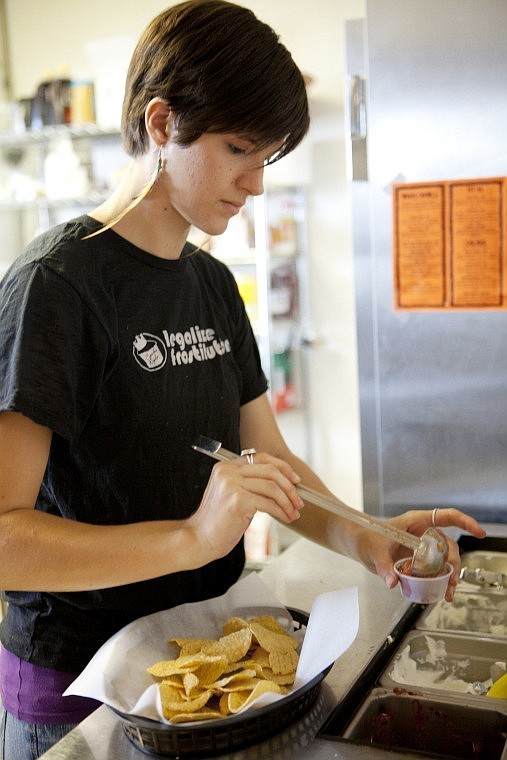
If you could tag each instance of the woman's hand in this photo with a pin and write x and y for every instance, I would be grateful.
(379, 555)
(238, 489)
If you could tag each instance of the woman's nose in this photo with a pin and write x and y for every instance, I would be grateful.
(253, 181)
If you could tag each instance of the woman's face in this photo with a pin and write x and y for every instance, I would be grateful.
(209, 181)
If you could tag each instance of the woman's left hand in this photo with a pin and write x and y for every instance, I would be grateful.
(379, 556)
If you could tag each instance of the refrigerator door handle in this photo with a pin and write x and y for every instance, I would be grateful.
(357, 107)
(358, 131)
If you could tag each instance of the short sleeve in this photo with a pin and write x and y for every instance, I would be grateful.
(53, 351)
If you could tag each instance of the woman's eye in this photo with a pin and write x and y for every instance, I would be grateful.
(236, 150)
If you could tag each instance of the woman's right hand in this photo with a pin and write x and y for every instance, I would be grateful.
(236, 490)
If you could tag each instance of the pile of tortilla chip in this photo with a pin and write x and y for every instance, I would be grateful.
(213, 678)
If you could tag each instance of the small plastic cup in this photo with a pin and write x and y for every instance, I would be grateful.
(423, 590)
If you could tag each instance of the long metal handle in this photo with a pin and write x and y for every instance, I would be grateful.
(481, 577)
(357, 107)
(215, 450)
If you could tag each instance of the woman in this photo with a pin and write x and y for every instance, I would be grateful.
(119, 345)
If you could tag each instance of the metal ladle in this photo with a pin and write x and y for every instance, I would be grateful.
(430, 550)
(430, 556)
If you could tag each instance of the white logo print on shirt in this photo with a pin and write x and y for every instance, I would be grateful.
(195, 344)
(149, 351)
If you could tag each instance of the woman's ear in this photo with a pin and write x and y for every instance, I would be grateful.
(158, 119)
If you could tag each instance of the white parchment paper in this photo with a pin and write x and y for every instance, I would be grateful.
(117, 675)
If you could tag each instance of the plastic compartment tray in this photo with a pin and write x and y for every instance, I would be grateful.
(471, 613)
(496, 562)
(427, 725)
(484, 569)
(422, 719)
(467, 659)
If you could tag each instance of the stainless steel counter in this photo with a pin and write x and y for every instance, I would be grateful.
(300, 574)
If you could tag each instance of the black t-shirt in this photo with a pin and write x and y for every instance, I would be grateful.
(127, 358)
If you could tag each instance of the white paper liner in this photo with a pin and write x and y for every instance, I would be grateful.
(117, 674)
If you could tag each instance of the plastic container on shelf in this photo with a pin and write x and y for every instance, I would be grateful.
(283, 298)
(247, 286)
(82, 103)
(261, 539)
(283, 391)
(64, 175)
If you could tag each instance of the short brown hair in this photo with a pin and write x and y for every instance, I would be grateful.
(221, 70)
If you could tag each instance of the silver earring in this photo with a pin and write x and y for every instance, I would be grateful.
(160, 160)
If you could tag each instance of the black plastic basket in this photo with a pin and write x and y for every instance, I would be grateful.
(231, 732)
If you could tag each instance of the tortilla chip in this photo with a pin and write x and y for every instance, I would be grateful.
(282, 680)
(282, 663)
(234, 645)
(209, 672)
(173, 702)
(261, 656)
(234, 624)
(235, 680)
(223, 704)
(190, 646)
(240, 699)
(190, 682)
(269, 622)
(167, 668)
(203, 714)
(248, 663)
(174, 681)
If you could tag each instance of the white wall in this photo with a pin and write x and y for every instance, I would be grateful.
(48, 34)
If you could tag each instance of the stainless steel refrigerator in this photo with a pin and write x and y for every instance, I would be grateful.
(428, 101)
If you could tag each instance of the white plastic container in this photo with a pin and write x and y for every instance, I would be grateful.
(423, 590)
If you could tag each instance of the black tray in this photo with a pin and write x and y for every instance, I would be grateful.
(231, 732)
(488, 543)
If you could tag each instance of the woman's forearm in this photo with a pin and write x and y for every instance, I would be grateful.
(41, 552)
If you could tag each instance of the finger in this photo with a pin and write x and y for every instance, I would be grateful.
(451, 517)
(259, 458)
(455, 560)
(236, 485)
(450, 590)
(379, 557)
(271, 498)
(269, 481)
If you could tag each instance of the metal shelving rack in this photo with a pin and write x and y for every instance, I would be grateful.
(29, 148)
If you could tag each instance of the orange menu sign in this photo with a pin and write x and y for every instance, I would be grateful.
(450, 244)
